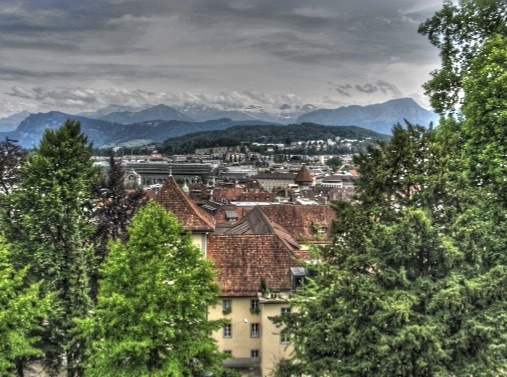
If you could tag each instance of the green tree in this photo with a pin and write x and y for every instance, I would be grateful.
(12, 156)
(113, 213)
(48, 222)
(484, 128)
(414, 281)
(152, 303)
(334, 163)
(459, 30)
(21, 315)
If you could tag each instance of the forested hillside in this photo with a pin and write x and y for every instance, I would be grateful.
(236, 135)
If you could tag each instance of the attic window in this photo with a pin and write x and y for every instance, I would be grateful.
(298, 275)
(322, 230)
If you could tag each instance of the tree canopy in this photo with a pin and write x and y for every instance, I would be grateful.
(414, 282)
(151, 312)
(459, 30)
(48, 223)
(21, 315)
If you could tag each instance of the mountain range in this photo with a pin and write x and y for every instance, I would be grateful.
(379, 117)
(118, 125)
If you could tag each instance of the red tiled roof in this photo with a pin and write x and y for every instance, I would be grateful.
(287, 176)
(256, 222)
(242, 261)
(240, 194)
(193, 218)
(303, 176)
(302, 221)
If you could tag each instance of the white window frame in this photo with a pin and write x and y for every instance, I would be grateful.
(255, 330)
(285, 310)
(227, 331)
(254, 304)
(284, 337)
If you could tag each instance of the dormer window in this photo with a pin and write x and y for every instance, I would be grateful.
(298, 275)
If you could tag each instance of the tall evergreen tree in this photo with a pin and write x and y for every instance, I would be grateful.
(12, 156)
(49, 224)
(409, 286)
(113, 213)
(151, 313)
(21, 314)
(414, 282)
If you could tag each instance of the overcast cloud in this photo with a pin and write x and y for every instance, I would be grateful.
(74, 56)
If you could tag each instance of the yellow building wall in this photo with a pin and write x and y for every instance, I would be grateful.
(199, 240)
(240, 344)
(272, 349)
(269, 345)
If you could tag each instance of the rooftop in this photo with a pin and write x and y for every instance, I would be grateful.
(193, 218)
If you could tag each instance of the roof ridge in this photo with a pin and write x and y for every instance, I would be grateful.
(171, 186)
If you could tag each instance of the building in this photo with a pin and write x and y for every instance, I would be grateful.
(272, 181)
(258, 259)
(195, 220)
(255, 261)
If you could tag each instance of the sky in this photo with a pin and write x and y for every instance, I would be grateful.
(74, 56)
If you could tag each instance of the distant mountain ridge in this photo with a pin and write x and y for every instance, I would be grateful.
(10, 123)
(109, 127)
(378, 117)
(105, 134)
(159, 112)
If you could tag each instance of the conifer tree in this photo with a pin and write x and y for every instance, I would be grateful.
(49, 225)
(12, 156)
(415, 280)
(113, 214)
(151, 312)
(412, 284)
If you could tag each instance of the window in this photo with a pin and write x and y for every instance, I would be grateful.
(285, 310)
(284, 337)
(254, 330)
(322, 230)
(254, 304)
(254, 307)
(228, 352)
(254, 353)
(227, 331)
(226, 307)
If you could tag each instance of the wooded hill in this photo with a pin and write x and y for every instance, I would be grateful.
(236, 135)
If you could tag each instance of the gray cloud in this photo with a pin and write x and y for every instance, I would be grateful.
(219, 46)
(382, 86)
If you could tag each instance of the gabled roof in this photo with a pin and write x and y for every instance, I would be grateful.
(302, 221)
(303, 176)
(256, 222)
(242, 261)
(193, 218)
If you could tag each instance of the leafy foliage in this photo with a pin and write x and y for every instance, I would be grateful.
(151, 312)
(459, 30)
(485, 111)
(21, 313)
